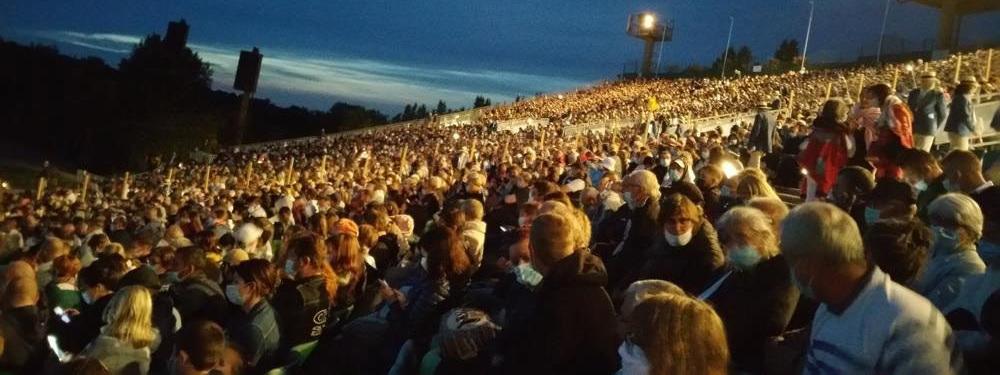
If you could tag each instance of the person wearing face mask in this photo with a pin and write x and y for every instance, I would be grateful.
(851, 190)
(255, 332)
(956, 226)
(196, 295)
(303, 299)
(642, 194)
(754, 296)
(710, 178)
(963, 174)
(890, 199)
(923, 173)
(668, 326)
(902, 332)
(686, 252)
(571, 329)
(97, 283)
(662, 164)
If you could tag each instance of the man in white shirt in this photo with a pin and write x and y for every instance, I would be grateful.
(866, 323)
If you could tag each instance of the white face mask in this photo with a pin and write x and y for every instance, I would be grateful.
(679, 240)
(920, 186)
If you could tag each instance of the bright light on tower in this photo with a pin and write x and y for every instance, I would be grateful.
(648, 21)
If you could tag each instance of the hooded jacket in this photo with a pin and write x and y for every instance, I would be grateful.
(573, 328)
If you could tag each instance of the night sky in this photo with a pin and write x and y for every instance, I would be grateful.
(384, 53)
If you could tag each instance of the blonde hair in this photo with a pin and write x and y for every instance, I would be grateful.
(748, 226)
(754, 185)
(129, 316)
(680, 335)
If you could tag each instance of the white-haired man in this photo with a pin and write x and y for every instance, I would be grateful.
(866, 323)
(641, 192)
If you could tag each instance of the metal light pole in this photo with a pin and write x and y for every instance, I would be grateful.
(659, 54)
(881, 35)
(725, 55)
(812, 7)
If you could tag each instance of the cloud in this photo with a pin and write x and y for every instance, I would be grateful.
(329, 77)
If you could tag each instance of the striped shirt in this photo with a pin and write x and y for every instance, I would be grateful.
(887, 329)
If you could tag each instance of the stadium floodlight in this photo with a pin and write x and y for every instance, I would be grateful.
(648, 21)
(646, 26)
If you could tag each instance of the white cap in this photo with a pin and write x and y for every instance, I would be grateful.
(608, 163)
(248, 233)
(574, 186)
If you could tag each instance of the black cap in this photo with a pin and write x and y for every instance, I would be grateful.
(143, 275)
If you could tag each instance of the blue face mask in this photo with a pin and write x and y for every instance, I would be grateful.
(944, 241)
(233, 294)
(744, 257)
(527, 275)
(806, 289)
(872, 215)
(290, 268)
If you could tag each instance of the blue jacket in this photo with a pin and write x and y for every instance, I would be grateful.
(929, 111)
(960, 117)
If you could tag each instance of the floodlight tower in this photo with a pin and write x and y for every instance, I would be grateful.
(645, 26)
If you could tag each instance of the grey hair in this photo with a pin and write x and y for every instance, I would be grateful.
(647, 180)
(824, 231)
(958, 210)
(750, 226)
(641, 290)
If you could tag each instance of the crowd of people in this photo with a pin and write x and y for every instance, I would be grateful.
(466, 250)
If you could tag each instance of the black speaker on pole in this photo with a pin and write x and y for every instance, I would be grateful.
(177, 34)
(248, 71)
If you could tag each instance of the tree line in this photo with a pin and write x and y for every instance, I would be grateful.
(83, 113)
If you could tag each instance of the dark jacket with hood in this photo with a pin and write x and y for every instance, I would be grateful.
(692, 266)
(641, 230)
(573, 328)
(199, 298)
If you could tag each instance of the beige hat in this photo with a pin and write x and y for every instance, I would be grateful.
(928, 74)
(969, 79)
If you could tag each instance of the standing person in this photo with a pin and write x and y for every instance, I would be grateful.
(674, 334)
(866, 322)
(255, 333)
(828, 149)
(126, 340)
(762, 131)
(21, 326)
(927, 104)
(962, 121)
(572, 329)
(895, 130)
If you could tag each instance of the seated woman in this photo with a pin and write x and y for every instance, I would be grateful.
(674, 334)
(128, 337)
(256, 333)
(688, 253)
(755, 297)
(436, 286)
(956, 226)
